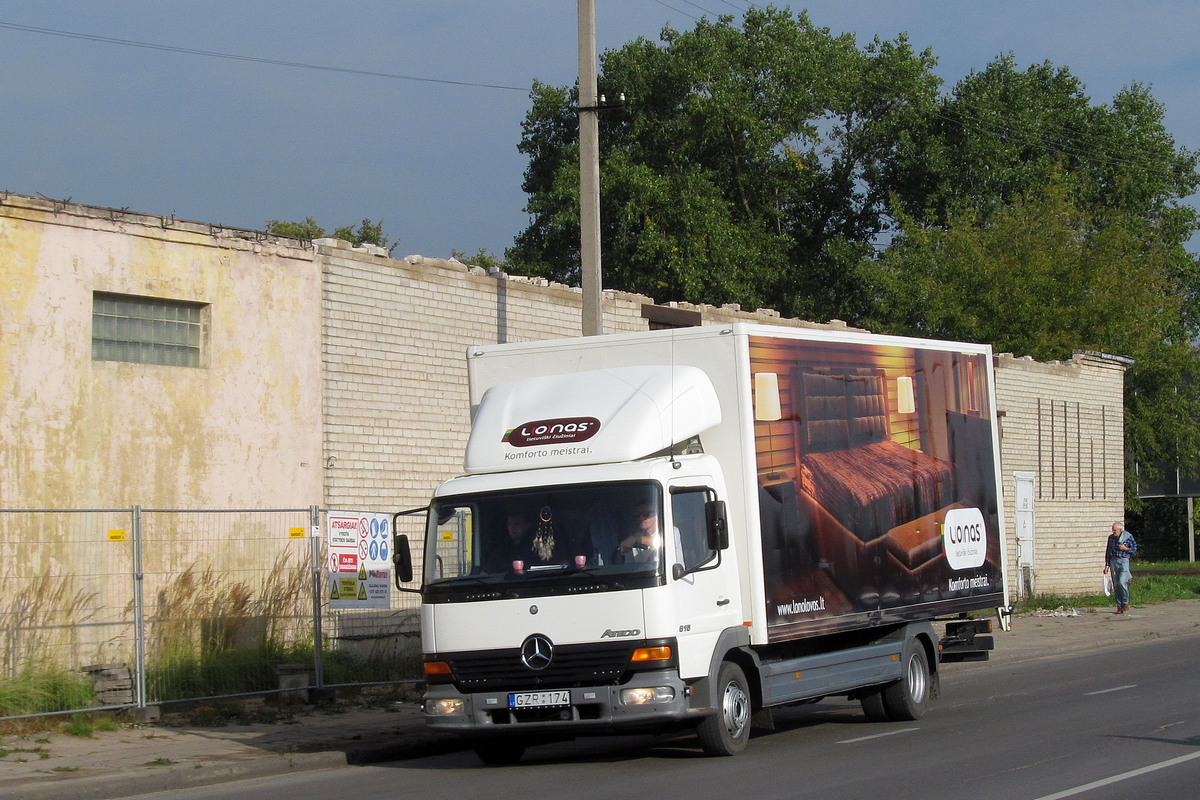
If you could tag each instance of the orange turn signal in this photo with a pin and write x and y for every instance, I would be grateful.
(660, 653)
(437, 668)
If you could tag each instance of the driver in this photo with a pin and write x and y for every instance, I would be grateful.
(642, 545)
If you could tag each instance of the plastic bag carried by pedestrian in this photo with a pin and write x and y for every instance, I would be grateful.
(1108, 589)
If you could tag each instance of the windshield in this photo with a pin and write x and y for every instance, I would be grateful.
(601, 531)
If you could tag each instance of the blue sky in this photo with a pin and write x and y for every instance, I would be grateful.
(238, 142)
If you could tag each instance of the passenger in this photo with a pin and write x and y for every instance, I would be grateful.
(517, 545)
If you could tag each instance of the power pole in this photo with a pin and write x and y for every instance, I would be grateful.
(589, 174)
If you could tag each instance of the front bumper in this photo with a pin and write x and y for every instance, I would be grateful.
(591, 709)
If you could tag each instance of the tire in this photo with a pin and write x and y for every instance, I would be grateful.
(872, 705)
(499, 752)
(726, 732)
(908, 698)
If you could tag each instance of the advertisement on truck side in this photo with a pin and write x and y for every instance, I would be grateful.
(876, 482)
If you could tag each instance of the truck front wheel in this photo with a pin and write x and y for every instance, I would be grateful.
(726, 732)
(909, 697)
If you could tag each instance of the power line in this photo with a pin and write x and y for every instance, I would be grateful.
(89, 37)
(1065, 145)
(678, 10)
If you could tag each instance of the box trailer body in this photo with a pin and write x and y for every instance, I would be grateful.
(690, 526)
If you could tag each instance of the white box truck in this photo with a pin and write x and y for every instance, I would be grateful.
(689, 527)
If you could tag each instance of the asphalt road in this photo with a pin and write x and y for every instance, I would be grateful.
(1116, 723)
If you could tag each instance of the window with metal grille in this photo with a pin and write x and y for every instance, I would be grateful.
(146, 330)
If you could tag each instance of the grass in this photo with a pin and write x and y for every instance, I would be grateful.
(209, 635)
(82, 725)
(20, 753)
(1153, 583)
(79, 726)
(41, 688)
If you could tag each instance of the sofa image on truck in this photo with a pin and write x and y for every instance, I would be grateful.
(691, 527)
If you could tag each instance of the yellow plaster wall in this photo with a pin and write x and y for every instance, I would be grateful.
(241, 431)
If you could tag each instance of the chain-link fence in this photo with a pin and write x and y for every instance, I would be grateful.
(124, 608)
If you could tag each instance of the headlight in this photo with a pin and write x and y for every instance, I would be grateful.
(444, 706)
(646, 695)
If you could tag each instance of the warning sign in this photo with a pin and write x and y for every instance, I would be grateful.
(360, 566)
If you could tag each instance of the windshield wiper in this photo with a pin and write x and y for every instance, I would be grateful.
(462, 579)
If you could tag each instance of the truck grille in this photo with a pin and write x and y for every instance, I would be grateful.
(572, 666)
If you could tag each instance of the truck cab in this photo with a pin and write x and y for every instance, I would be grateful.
(596, 595)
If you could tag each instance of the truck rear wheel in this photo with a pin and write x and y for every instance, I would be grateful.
(872, 705)
(908, 698)
(726, 732)
(499, 752)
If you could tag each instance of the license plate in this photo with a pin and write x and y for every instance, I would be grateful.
(558, 697)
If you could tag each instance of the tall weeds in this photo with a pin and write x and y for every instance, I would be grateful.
(210, 634)
(40, 622)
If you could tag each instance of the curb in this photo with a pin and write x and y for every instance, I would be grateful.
(127, 784)
(237, 768)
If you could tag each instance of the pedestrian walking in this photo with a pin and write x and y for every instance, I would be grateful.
(1121, 545)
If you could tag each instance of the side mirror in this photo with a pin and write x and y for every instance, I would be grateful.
(718, 525)
(402, 560)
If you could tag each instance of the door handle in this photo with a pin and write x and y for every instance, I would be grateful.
(723, 601)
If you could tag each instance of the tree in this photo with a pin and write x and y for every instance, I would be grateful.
(308, 229)
(482, 258)
(774, 164)
(1044, 276)
(368, 232)
(1002, 133)
(743, 167)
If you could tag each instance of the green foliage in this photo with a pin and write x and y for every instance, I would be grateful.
(1002, 134)
(80, 726)
(1152, 583)
(308, 229)
(44, 688)
(24, 754)
(1046, 275)
(482, 258)
(367, 232)
(775, 164)
(744, 167)
(1042, 276)
(1158, 528)
(346, 665)
(213, 635)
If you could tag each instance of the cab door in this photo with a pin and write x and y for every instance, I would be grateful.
(703, 580)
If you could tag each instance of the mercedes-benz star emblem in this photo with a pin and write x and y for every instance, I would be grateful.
(537, 652)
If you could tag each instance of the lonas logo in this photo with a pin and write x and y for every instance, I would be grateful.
(553, 431)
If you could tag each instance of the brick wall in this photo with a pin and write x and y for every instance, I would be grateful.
(396, 416)
(395, 337)
(1063, 422)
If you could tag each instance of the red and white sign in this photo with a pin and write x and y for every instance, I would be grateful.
(360, 565)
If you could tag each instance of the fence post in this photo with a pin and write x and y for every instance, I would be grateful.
(139, 610)
(314, 514)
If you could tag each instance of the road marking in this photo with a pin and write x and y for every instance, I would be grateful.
(1124, 776)
(1114, 689)
(878, 735)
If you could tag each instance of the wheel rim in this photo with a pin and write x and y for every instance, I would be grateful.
(918, 680)
(735, 708)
